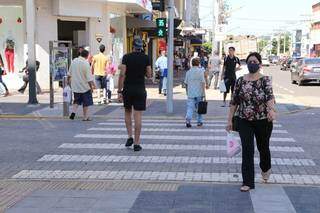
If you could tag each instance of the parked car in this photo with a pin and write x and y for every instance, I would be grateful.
(265, 62)
(306, 70)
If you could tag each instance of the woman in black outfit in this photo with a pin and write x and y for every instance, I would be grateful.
(2, 72)
(253, 103)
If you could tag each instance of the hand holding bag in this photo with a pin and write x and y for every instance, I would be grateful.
(222, 87)
(233, 144)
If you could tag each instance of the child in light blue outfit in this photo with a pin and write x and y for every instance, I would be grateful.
(195, 84)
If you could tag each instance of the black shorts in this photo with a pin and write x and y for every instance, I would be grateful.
(136, 99)
(230, 83)
(84, 99)
(100, 81)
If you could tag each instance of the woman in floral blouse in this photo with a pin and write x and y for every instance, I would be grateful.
(253, 103)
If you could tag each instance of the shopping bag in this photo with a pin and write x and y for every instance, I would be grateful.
(233, 144)
(202, 107)
(222, 87)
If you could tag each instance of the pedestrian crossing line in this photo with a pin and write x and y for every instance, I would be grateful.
(173, 124)
(169, 147)
(169, 121)
(168, 159)
(171, 137)
(163, 176)
(276, 131)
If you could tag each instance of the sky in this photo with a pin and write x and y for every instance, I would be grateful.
(261, 17)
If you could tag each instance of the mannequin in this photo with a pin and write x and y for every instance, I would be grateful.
(9, 52)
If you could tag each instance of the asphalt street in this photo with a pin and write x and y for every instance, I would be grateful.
(191, 167)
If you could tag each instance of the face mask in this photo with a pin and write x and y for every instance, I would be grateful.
(253, 68)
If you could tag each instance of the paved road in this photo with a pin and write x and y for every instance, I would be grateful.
(186, 164)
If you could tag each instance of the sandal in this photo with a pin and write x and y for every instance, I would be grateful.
(245, 188)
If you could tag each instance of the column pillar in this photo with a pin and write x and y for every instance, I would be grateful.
(31, 29)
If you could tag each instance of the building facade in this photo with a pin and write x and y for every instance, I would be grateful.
(82, 22)
(315, 30)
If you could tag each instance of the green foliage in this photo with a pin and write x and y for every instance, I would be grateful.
(262, 44)
(207, 46)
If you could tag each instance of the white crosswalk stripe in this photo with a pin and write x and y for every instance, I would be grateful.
(164, 176)
(169, 147)
(171, 137)
(172, 124)
(169, 159)
(200, 130)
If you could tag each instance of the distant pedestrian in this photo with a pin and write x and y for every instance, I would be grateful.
(111, 70)
(162, 65)
(253, 103)
(196, 86)
(230, 66)
(82, 84)
(3, 72)
(132, 91)
(99, 64)
(25, 78)
(214, 69)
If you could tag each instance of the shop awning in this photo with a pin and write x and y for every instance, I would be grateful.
(133, 22)
(132, 6)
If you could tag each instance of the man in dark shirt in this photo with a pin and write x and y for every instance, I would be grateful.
(132, 91)
(230, 66)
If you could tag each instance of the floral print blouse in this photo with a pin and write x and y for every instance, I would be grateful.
(252, 97)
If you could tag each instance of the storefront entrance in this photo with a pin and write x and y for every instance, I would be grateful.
(74, 31)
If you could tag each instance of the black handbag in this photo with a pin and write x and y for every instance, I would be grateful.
(235, 123)
(202, 107)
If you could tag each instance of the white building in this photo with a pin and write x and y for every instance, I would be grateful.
(83, 22)
(315, 29)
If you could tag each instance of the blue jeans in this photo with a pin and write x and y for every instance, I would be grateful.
(192, 105)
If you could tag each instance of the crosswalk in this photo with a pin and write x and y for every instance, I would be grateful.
(170, 153)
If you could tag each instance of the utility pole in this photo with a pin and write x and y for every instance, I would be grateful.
(30, 17)
(213, 27)
(170, 57)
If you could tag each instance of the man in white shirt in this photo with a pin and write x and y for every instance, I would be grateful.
(214, 69)
(82, 85)
(162, 65)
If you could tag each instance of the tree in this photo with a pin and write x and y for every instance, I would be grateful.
(274, 50)
(262, 44)
(207, 46)
(288, 43)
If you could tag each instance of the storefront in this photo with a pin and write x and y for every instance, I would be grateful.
(100, 22)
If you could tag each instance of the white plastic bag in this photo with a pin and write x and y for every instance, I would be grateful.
(222, 87)
(233, 144)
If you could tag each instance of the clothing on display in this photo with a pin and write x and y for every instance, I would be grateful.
(9, 54)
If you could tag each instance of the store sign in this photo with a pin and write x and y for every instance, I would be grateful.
(145, 4)
(178, 43)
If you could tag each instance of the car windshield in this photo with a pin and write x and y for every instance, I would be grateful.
(312, 61)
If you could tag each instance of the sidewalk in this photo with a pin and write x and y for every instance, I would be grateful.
(15, 106)
(157, 197)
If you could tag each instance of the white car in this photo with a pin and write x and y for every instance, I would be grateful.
(265, 62)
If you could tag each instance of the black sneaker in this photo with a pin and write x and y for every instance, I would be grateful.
(200, 124)
(137, 148)
(188, 125)
(72, 116)
(129, 142)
